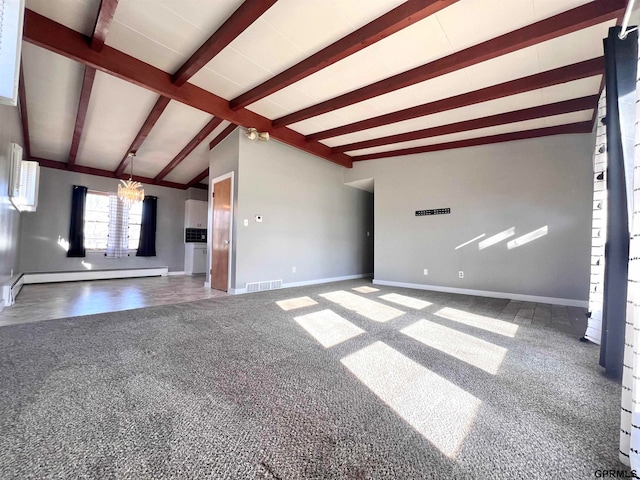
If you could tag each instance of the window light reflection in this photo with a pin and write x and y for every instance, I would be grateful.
(469, 349)
(485, 323)
(439, 410)
(370, 309)
(293, 303)
(328, 328)
(405, 301)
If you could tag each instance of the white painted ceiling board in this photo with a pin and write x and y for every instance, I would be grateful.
(216, 83)
(482, 132)
(52, 86)
(79, 15)
(116, 112)
(361, 13)
(175, 128)
(207, 16)
(549, 8)
(123, 38)
(196, 161)
(469, 22)
(575, 89)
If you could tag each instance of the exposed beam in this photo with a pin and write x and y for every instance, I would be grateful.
(24, 117)
(549, 78)
(83, 105)
(567, 22)
(239, 21)
(144, 131)
(223, 134)
(103, 22)
(57, 38)
(104, 173)
(393, 21)
(201, 176)
(541, 111)
(195, 141)
(581, 127)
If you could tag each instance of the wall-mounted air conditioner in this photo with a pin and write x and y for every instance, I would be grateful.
(24, 181)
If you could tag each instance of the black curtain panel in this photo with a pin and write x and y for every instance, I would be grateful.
(147, 245)
(620, 77)
(76, 226)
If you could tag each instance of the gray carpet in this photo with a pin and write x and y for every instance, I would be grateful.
(236, 388)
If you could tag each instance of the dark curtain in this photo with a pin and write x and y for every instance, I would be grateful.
(620, 77)
(76, 226)
(147, 245)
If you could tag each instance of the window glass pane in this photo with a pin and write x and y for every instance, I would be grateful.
(96, 221)
(135, 218)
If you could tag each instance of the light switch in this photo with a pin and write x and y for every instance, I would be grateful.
(246, 222)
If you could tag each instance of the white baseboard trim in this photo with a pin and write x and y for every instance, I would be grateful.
(176, 273)
(483, 293)
(75, 276)
(239, 291)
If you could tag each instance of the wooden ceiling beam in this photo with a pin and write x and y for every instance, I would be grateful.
(541, 111)
(103, 22)
(195, 141)
(223, 134)
(581, 127)
(24, 117)
(81, 115)
(57, 38)
(144, 131)
(584, 16)
(104, 173)
(393, 21)
(568, 73)
(238, 22)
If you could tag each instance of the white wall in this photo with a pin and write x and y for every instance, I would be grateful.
(40, 252)
(526, 184)
(10, 131)
(311, 220)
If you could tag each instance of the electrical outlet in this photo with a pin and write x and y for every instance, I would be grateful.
(246, 222)
(293, 269)
(461, 274)
(426, 271)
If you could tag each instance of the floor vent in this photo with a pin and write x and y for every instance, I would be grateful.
(262, 286)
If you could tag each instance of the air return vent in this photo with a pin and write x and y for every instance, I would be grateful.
(262, 286)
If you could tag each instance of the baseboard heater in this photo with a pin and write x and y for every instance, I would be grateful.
(75, 276)
(262, 286)
(11, 290)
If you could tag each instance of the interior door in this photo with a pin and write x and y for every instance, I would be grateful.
(221, 230)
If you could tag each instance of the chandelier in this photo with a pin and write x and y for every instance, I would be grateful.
(130, 192)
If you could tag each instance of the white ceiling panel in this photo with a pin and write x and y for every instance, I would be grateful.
(52, 85)
(575, 89)
(116, 112)
(207, 16)
(175, 128)
(470, 22)
(196, 161)
(361, 13)
(482, 132)
(79, 15)
(127, 40)
(574, 47)
(549, 8)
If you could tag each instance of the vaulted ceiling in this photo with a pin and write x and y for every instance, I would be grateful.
(345, 80)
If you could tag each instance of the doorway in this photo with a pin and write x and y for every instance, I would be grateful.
(221, 232)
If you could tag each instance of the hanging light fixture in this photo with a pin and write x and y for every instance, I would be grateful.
(130, 192)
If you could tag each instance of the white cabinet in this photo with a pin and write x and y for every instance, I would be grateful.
(195, 258)
(195, 214)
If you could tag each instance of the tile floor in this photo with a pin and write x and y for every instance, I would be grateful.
(59, 300)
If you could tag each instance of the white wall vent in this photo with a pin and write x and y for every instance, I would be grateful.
(262, 286)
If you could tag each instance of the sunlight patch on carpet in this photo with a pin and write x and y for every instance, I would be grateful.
(405, 301)
(365, 289)
(440, 411)
(370, 309)
(479, 321)
(472, 350)
(328, 328)
(293, 303)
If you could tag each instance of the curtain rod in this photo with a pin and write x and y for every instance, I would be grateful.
(625, 20)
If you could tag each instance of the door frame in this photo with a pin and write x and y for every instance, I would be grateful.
(212, 182)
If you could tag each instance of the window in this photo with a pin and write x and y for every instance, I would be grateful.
(101, 209)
